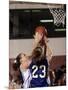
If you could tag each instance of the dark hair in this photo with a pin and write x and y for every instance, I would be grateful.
(36, 54)
(16, 67)
(17, 63)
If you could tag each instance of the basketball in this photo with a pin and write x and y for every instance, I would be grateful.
(41, 30)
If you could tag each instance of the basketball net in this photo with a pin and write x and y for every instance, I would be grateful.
(58, 15)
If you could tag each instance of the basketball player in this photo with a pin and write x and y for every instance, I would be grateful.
(21, 65)
(39, 64)
(40, 60)
(40, 39)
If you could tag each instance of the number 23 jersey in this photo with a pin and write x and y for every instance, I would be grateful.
(39, 71)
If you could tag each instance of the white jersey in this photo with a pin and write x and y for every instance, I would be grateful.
(26, 77)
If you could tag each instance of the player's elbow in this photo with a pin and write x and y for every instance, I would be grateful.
(49, 56)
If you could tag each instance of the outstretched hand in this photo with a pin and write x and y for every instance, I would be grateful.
(37, 37)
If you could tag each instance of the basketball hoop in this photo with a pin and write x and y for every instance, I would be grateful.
(58, 15)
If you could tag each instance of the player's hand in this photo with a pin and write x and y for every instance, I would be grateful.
(46, 40)
(37, 37)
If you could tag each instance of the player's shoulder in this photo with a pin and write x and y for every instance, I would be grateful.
(45, 61)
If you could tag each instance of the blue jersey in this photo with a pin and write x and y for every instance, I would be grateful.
(39, 71)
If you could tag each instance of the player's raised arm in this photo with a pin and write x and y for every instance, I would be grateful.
(49, 53)
(47, 50)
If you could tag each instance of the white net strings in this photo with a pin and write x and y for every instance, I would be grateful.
(59, 16)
